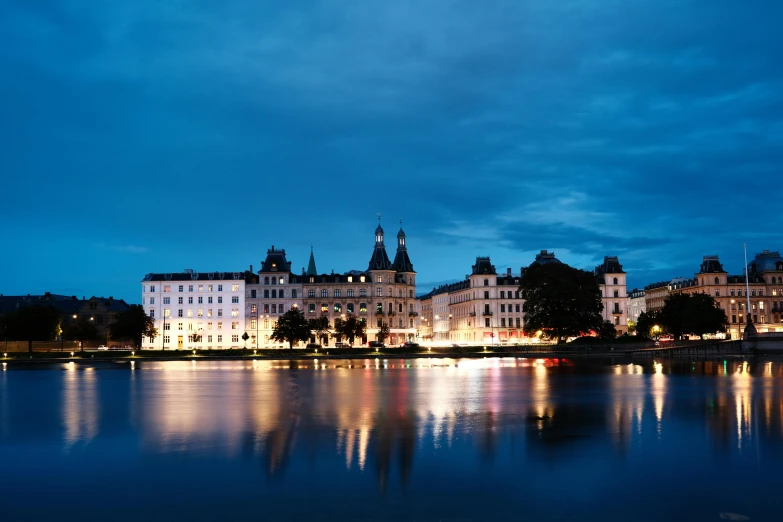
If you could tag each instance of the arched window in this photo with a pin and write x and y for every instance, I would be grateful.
(266, 280)
(614, 280)
(717, 281)
(486, 282)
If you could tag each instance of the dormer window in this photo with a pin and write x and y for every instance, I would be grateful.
(361, 279)
(350, 279)
(312, 279)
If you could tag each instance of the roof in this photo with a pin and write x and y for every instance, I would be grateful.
(275, 261)
(63, 304)
(196, 276)
(483, 266)
(711, 265)
(766, 261)
(311, 270)
(611, 265)
(544, 258)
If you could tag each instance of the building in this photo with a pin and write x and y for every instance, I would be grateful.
(655, 295)
(196, 309)
(383, 294)
(635, 304)
(761, 295)
(100, 311)
(611, 282)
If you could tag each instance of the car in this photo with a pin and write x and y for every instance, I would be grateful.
(313, 346)
(412, 346)
(342, 345)
(376, 344)
(103, 347)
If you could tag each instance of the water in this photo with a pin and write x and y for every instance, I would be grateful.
(362, 440)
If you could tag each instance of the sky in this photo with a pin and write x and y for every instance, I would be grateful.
(145, 136)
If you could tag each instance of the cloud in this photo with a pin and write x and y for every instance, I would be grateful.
(130, 249)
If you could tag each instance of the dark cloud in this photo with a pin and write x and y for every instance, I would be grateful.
(647, 129)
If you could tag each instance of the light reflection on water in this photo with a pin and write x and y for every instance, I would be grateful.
(417, 438)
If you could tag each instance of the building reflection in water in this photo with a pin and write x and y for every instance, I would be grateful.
(79, 404)
(374, 414)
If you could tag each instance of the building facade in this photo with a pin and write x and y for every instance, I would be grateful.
(635, 304)
(611, 282)
(196, 310)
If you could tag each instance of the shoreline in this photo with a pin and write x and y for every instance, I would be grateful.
(88, 358)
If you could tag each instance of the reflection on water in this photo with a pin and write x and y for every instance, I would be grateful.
(411, 426)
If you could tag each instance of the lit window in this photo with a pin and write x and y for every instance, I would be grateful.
(220, 326)
(338, 308)
(200, 312)
(253, 324)
(235, 288)
(282, 281)
(361, 280)
(350, 279)
(378, 279)
(167, 288)
(209, 326)
(350, 308)
(190, 313)
(379, 292)
(209, 288)
(324, 308)
(200, 288)
(311, 308)
(234, 325)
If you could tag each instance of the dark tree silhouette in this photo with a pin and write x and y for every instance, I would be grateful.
(33, 323)
(133, 324)
(292, 327)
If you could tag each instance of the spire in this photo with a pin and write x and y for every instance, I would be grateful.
(379, 259)
(402, 262)
(311, 270)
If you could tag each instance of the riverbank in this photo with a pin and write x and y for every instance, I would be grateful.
(543, 352)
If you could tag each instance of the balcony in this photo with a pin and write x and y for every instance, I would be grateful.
(379, 312)
(617, 311)
(392, 314)
(486, 313)
(413, 314)
(473, 314)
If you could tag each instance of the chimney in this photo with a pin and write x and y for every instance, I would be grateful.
(508, 272)
(251, 269)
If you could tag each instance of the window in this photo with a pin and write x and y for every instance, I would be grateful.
(293, 294)
(200, 312)
(410, 293)
(502, 321)
(220, 312)
(361, 280)
(753, 292)
(363, 292)
(253, 309)
(252, 294)
(209, 300)
(166, 312)
(166, 338)
(180, 300)
(179, 312)
(486, 282)
(209, 338)
(235, 288)
(324, 308)
(378, 279)
(503, 308)
(209, 288)
(516, 294)
(253, 324)
(190, 288)
(517, 309)
(379, 292)
(220, 299)
(220, 326)
(617, 293)
(717, 293)
(350, 279)
(234, 312)
(274, 308)
(200, 288)
(362, 308)
(209, 312)
(614, 281)
(379, 308)
(220, 338)
(717, 281)
(209, 326)
(234, 325)
(167, 326)
(761, 293)
(337, 293)
(166, 288)
(190, 300)
(486, 294)
(380, 322)
(200, 300)
(266, 294)
(518, 320)
(235, 299)
(338, 308)
(311, 293)
(179, 326)
(181, 288)
(349, 308)
(167, 300)
(502, 294)
(486, 323)
(274, 294)
(152, 288)
(324, 293)
(311, 308)
(266, 308)
(234, 338)
(152, 312)
(280, 293)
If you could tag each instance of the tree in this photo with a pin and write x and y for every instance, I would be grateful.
(560, 300)
(607, 330)
(133, 324)
(350, 328)
(383, 332)
(646, 322)
(631, 327)
(292, 327)
(245, 337)
(33, 323)
(692, 313)
(339, 330)
(320, 326)
(82, 330)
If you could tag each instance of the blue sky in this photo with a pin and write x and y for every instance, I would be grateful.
(155, 136)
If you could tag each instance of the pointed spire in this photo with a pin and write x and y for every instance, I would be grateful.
(379, 259)
(311, 270)
(402, 262)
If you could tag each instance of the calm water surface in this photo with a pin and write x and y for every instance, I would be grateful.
(424, 440)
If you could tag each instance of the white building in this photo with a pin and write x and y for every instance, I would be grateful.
(611, 281)
(195, 309)
(635, 304)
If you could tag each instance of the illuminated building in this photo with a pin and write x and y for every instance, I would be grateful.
(611, 282)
